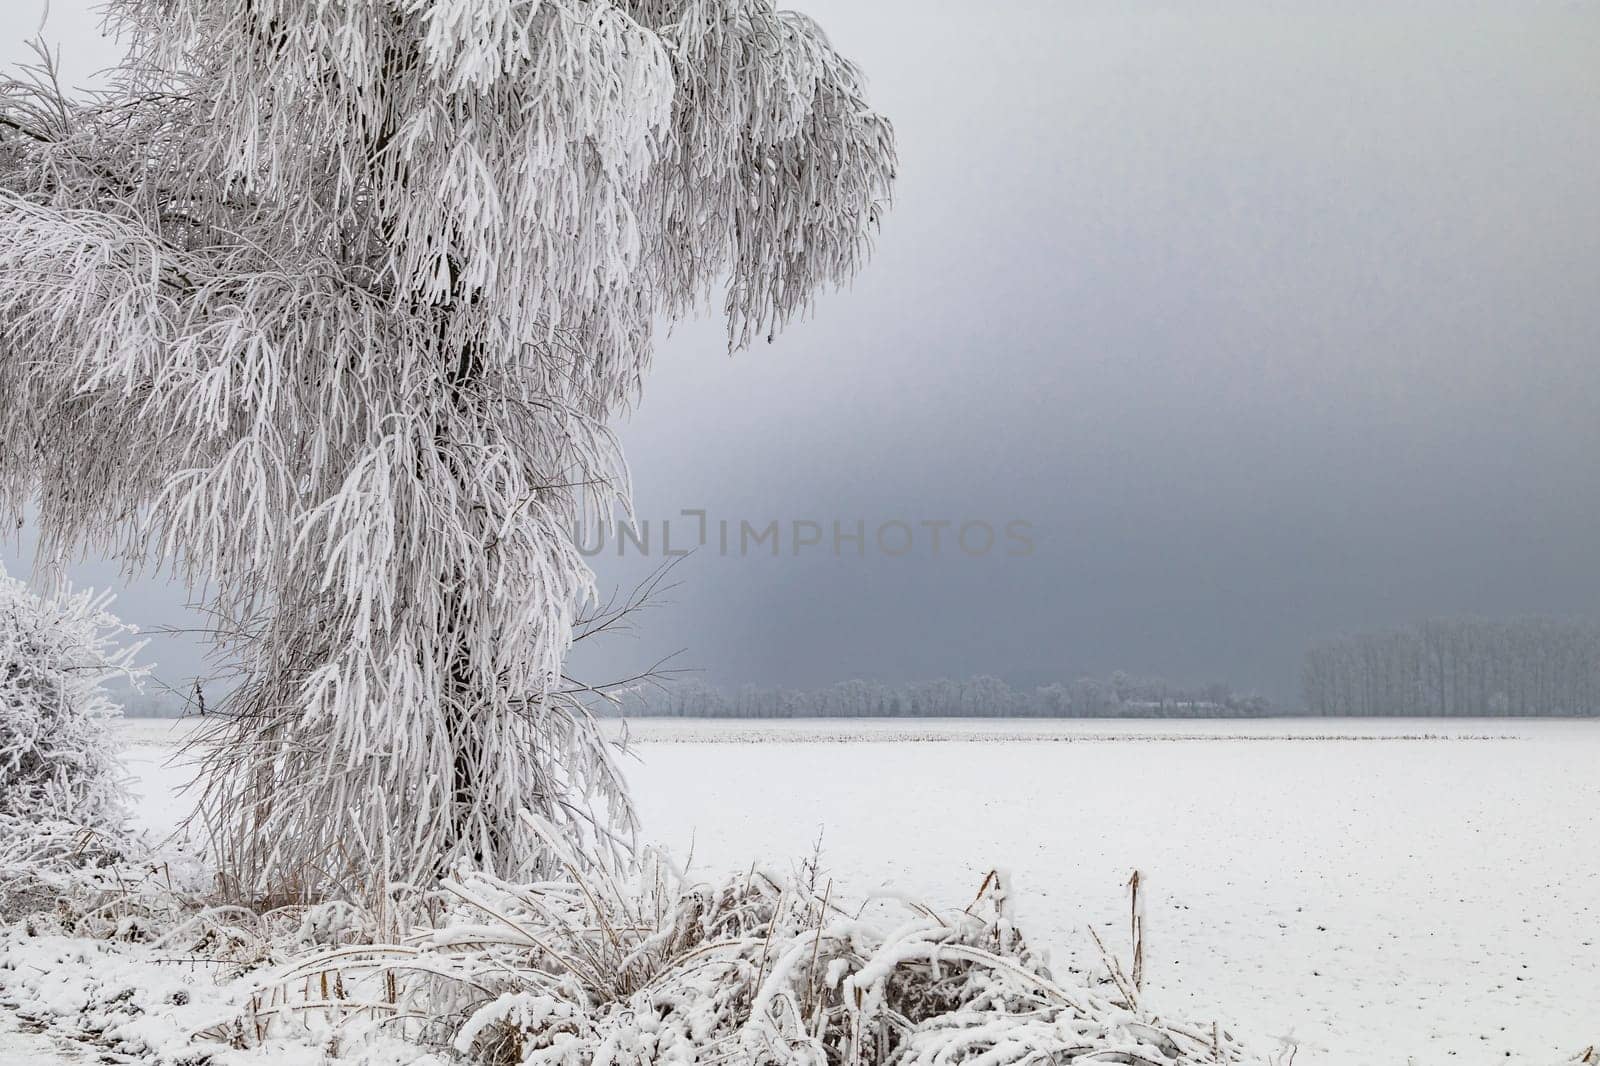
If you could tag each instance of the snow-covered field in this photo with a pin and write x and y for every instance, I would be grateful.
(1377, 891)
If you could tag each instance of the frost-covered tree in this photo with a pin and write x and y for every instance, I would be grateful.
(58, 763)
(1459, 666)
(329, 304)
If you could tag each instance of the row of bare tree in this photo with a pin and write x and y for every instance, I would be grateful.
(1458, 667)
(976, 697)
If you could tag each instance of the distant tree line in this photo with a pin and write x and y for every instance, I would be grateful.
(1119, 696)
(1451, 667)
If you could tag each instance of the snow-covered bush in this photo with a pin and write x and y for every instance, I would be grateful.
(61, 786)
(760, 969)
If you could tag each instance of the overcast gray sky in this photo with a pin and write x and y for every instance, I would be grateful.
(1273, 320)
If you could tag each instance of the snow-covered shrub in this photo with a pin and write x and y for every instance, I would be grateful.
(61, 788)
(758, 969)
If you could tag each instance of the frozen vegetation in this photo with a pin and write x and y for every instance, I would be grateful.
(62, 800)
(331, 309)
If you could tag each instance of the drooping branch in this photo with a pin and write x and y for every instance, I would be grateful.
(331, 306)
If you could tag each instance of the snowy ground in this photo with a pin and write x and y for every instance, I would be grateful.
(20, 1047)
(1380, 892)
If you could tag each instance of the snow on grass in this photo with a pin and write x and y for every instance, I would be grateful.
(20, 1044)
(180, 996)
